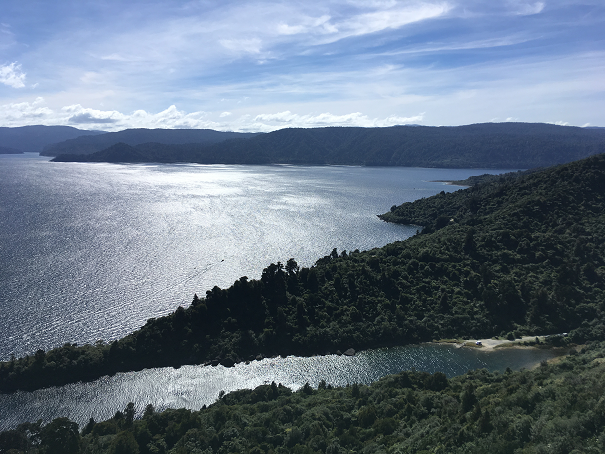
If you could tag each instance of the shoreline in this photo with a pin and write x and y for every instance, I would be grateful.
(451, 183)
(491, 343)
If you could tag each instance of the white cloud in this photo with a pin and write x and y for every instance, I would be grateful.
(308, 24)
(115, 57)
(25, 113)
(86, 117)
(393, 18)
(270, 122)
(384, 16)
(30, 113)
(12, 75)
(242, 46)
(528, 9)
(511, 40)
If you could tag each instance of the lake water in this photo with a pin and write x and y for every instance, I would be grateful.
(194, 386)
(91, 251)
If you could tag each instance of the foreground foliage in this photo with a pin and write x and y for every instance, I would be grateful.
(557, 408)
(520, 255)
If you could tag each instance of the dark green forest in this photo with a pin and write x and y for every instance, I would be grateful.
(558, 408)
(487, 145)
(522, 254)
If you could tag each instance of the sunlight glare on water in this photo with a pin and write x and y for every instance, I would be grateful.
(91, 251)
(194, 386)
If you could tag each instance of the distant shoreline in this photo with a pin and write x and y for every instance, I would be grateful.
(451, 183)
(491, 344)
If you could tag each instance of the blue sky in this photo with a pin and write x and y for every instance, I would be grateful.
(260, 66)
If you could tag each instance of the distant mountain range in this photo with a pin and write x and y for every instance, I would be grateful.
(89, 144)
(487, 145)
(35, 138)
(7, 150)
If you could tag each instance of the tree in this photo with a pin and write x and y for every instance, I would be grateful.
(129, 414)
(468, 398)
(124, 443)
(61, 436)
(291, 267)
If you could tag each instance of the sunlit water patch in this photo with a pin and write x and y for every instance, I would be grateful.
(91, 251)
(194, 386)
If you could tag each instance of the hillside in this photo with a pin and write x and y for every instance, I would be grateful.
(520, 255)
(147, 152)
(90, 144)
(7, 150)
(488, 145)
(558, 408)
(35, 138)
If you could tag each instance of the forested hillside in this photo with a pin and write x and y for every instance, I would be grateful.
(90, 144)
(35, 138)
(7, 150)
(488, 145)
(521, 255)
(558, 408)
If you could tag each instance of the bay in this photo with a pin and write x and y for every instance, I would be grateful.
(91, 251)
(192, 387)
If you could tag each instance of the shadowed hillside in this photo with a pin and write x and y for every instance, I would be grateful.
(35, 138)
(488, 145)
(89, 144)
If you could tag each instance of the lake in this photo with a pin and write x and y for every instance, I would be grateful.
(91, 251)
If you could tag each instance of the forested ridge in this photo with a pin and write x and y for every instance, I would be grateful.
(487, 145)
(85, 145)
(8, 150)
(558, 408)
(520, 255)
(35, 138)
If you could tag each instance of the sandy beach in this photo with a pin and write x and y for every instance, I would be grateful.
(490, 344)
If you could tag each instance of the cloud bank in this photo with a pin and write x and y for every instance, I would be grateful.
(173, 118)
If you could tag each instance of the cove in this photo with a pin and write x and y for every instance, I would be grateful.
(194, 386)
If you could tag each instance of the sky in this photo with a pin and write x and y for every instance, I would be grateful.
(264, 65)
